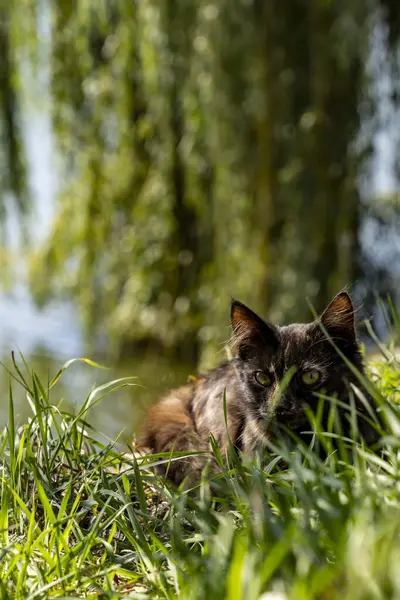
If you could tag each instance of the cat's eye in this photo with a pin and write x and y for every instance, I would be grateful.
(263, 378)
(311, 377)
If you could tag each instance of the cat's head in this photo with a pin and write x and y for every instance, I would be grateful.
(265, 353)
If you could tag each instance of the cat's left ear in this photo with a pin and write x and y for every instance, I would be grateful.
(251, 334)
(338, 318)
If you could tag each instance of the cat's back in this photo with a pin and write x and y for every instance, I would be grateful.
(195, 407)
(208, 400)
(169, 416)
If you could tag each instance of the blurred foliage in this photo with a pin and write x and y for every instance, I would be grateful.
(386, 377)
(12, 163)
(209, 149)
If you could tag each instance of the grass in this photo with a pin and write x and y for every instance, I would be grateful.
(73, 524)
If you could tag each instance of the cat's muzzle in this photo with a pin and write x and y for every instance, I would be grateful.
(290, 413)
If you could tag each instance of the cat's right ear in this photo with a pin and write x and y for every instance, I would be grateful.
(250, 333)
(338, 319)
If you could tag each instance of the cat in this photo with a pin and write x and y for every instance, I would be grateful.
(184, 419)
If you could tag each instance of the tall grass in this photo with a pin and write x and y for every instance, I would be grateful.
(74, 524)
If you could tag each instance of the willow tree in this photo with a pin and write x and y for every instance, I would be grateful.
(313, 69)
(128, 240)
(209, 149)
(312, 101)
(12, 157)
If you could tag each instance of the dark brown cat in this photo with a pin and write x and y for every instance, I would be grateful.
(185, 418)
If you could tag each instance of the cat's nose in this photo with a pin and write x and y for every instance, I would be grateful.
(282, 404)
(284, 407)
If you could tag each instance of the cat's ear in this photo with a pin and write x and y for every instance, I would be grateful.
(250, 333)
(338, 318)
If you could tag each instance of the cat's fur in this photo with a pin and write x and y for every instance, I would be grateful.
(185, 418)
